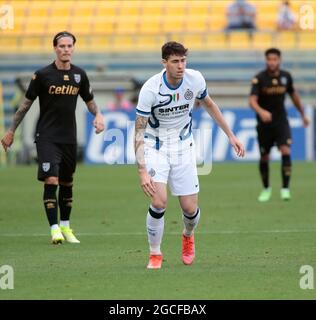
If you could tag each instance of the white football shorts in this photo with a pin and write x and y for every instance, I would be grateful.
(174, 165)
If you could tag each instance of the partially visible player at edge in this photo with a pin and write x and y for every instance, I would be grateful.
(267, 98)
(164, 147)
(57, 86)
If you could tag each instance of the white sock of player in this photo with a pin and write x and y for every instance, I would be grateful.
(190, 222)
(54, 227)
(64, 223)
(155, 226)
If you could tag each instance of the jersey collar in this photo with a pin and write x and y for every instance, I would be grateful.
(164, 76)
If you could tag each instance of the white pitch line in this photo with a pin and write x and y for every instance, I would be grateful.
(166, 233)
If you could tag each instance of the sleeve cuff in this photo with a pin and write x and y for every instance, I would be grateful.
(203, 95)
(142, 113)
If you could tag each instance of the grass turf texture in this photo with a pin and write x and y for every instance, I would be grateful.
(245, 249)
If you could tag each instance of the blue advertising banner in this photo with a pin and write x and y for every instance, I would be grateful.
(115, 146)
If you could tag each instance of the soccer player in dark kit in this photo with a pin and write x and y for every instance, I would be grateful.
(267, 98)
(57, 86)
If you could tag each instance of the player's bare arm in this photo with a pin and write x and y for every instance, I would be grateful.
(265, 115)
(213, 110)
(146, 181)
(8, 138)
(299, 106)
(98, 121)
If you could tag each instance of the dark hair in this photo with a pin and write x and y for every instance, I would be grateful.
(61, 35)
(273, 51)
(173, 47)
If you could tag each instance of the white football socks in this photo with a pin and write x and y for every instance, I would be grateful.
(54, 227)
(190, 222)
(64, 223)
(155, 227)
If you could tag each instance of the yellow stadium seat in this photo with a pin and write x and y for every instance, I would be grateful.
(307, 40)
(148, 42)
(286, 40)
(102, 26)
(172, 24)
(58, 24)
(175, 11)
(193, 24)
(148, 12)
(8, 43)
(35, 25)
(262, 40)
(126, 25)
(30, 43)
(239, 40)
(129, 10)
(216, 41)
(100, 41)
(193, 42)
(150, 26)
(18, 27)
(80, 25)
(123, 43)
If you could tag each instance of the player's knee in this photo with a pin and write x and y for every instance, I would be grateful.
(51, 180)
(189, 208)
(66, 183)
(159, 204)
(285, 150)
(264, 157)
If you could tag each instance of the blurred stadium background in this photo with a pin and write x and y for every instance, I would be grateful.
(119, 46)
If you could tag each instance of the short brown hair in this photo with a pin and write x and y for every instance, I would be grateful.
(61, 35)
(171, 48)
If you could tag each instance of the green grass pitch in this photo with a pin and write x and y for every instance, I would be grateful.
(245, 250)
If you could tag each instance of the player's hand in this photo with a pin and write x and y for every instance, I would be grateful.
(98, 123)
(147, 183)
(265, 116)
(7, 140)
(305, 121)
(238, 146)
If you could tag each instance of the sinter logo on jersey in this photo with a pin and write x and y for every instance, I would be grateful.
(174, 110)
(71, 90)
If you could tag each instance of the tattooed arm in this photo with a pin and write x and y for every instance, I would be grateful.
(146, 181)
(140, 126)
(8, 138)
(98, 121)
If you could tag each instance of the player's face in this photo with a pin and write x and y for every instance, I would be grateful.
(273, 62)
(175, 66)
(64, 49)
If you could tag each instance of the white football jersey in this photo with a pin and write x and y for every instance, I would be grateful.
(170, 108)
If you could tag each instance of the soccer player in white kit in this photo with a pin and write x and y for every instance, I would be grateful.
(164, 146)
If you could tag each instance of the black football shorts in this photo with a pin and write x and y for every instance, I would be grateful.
(56, 160)
(270, 135)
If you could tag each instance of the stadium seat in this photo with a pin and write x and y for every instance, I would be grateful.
(287, 40)
(194, 42)
(198, 19)
(216, 41)
(35, 25)
(307, 40)
(239, 40)
(80, 25)
(102, 26)
(261, 40)
(126, 25)
(150, 26)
